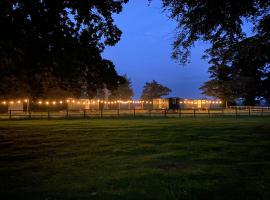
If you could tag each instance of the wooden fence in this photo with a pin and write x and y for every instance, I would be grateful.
(235, 112)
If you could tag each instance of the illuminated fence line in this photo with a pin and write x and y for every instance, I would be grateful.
(150, 113)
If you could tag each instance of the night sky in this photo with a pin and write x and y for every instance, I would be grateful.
(144, 51)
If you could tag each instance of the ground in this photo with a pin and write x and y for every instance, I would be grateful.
(135, 159)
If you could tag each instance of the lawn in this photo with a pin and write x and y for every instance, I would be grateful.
(135, 159)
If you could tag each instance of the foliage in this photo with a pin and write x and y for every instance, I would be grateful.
(221, 22)
(243, 68)
(154, 90)
(220, 85)
(124, 90)
(57, 42)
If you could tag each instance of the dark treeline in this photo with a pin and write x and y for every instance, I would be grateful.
(240, 64)
(52, 48)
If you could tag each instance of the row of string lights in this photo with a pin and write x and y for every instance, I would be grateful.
(69, 101)
(85, 102)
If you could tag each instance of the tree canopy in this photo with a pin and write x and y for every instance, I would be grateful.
(152, 90)
(239, 61)
(124, 90)
(218, 22)
(243, 69)
(52, 47)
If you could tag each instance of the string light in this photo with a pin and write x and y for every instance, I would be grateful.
(186, 101)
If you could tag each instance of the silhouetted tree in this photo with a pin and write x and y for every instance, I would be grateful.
(221, 84)
(247, 66)
(154, 90)
(124, 90)
(221, 23)
(56, 42)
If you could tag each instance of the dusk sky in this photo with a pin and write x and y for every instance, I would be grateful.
(144, 51)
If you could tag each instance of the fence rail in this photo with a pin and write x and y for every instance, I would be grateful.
(165, 113)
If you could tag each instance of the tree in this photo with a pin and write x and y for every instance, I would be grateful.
(47, 40)
(221, 84)
(247, 67)
(124, 90)
(221, 23)
(154, 90)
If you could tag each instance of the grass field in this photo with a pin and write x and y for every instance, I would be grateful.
(135, 159)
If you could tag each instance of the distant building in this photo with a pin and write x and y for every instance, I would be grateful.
(179, 103)
(161, 103)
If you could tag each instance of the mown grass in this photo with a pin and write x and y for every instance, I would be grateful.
(135, 159)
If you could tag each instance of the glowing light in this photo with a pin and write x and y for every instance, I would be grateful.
(40, 102)
(53, 102)
(25, 100)
(73, 101)
(4, 102)
(67, 101)
(61, 102)
(18, 101)
(12, 102)
(47, 103)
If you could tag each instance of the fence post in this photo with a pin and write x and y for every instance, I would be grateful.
(165, 113)
(29, 114)
(101, 113)
(118, 112)
(149, 113)
(236, 112)
(262, 112)
(10, 114)
(249, 111)
(194, 113)
(48, 114)
(209, 113)
(84, 113)
(179, 112)
(222, 112)
(67, 113)
(134, 112)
